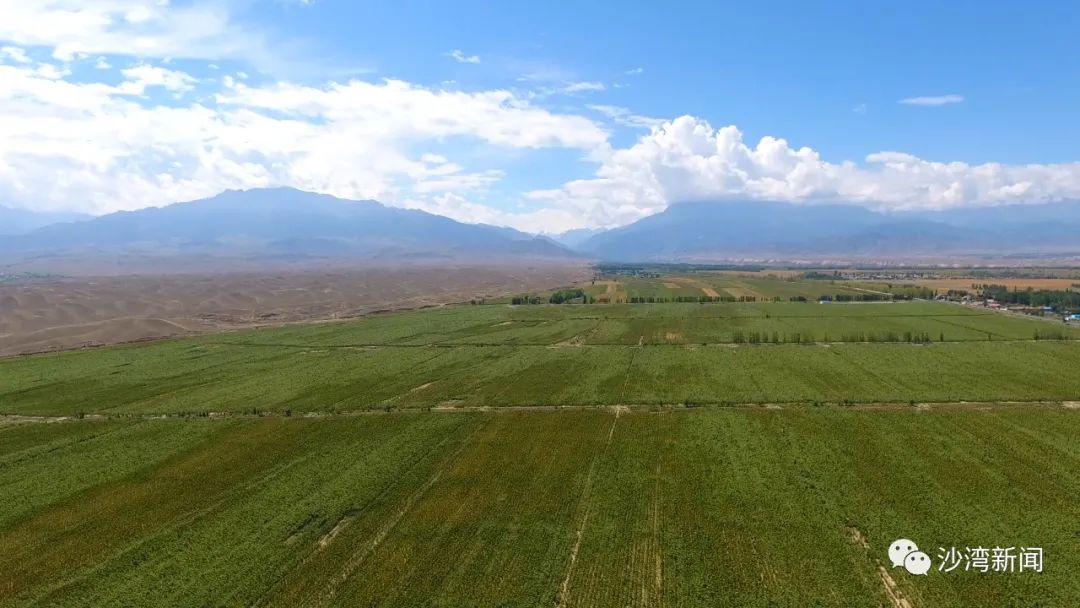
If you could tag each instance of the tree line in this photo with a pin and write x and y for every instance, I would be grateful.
(562, 296)
(578, 296)
(775, 337)
(1057, 299)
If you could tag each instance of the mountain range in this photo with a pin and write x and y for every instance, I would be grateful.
(281, 223)
(729, 230)
(21, 221)
(292, 225)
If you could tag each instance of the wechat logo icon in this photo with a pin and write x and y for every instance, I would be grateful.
(905, 553)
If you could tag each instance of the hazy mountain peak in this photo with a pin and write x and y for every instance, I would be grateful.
(283, 221)
(740, 229)
(20, 221)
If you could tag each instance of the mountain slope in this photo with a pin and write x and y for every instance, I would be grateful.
(575, 238)
(726, 230)
(282, 222)
(21, 221)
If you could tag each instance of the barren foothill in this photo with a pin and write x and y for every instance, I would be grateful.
(90, 311)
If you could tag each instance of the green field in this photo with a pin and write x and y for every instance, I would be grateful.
(676, 287)
(570, 355)
(415, 459)
(723, 507)
(751, 287)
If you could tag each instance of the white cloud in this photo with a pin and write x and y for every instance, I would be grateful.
(687, 159)
(141, 28)
(51, 72)
(398, 109)
(583, 86)
(634, 72)
(461, 57)
(142, 76)
(99, 147)
(14, 54)
(860, 109)
(455, 206)
(436, 159)
(939, 100)
(625, 117)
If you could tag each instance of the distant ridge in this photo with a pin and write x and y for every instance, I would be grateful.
(282, 222)
(21, 221)
(284, 225)
(769, 229)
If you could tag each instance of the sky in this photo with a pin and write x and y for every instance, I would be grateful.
(543, 116)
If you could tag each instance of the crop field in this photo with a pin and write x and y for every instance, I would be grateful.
(741, 286)
(568, 355)
(725, 286)
(972, 284)
(606, 291)
(715, 507)
(721, 454)
(768, 288)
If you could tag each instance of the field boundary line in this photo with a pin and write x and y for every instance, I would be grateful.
(1067, 403)
(356, 559)
(630, 365)
(888, 583)
(657, 537)
(181, 521)
(980, 331)
(262, 601)
(586, 505)
(642, 344)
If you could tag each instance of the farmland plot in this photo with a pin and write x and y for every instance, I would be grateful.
(492, 356)
(712, 507)
(342, 464)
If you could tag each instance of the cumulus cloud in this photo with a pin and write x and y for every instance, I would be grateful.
(107, 143)
(143, 28)
(687, 159)
(142, 76)
(459, 56)
(398, 109)
(13, 54)
(100, 147)
(938, 100)
(548, 220)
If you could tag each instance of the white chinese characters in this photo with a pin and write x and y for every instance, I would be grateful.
(996, 559)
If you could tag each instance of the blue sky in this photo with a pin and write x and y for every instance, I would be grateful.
(543, 116)
(793, 69)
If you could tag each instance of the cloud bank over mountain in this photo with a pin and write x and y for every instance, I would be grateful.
(686, 159)
(121, 105)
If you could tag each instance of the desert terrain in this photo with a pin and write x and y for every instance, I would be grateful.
(44, 315)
